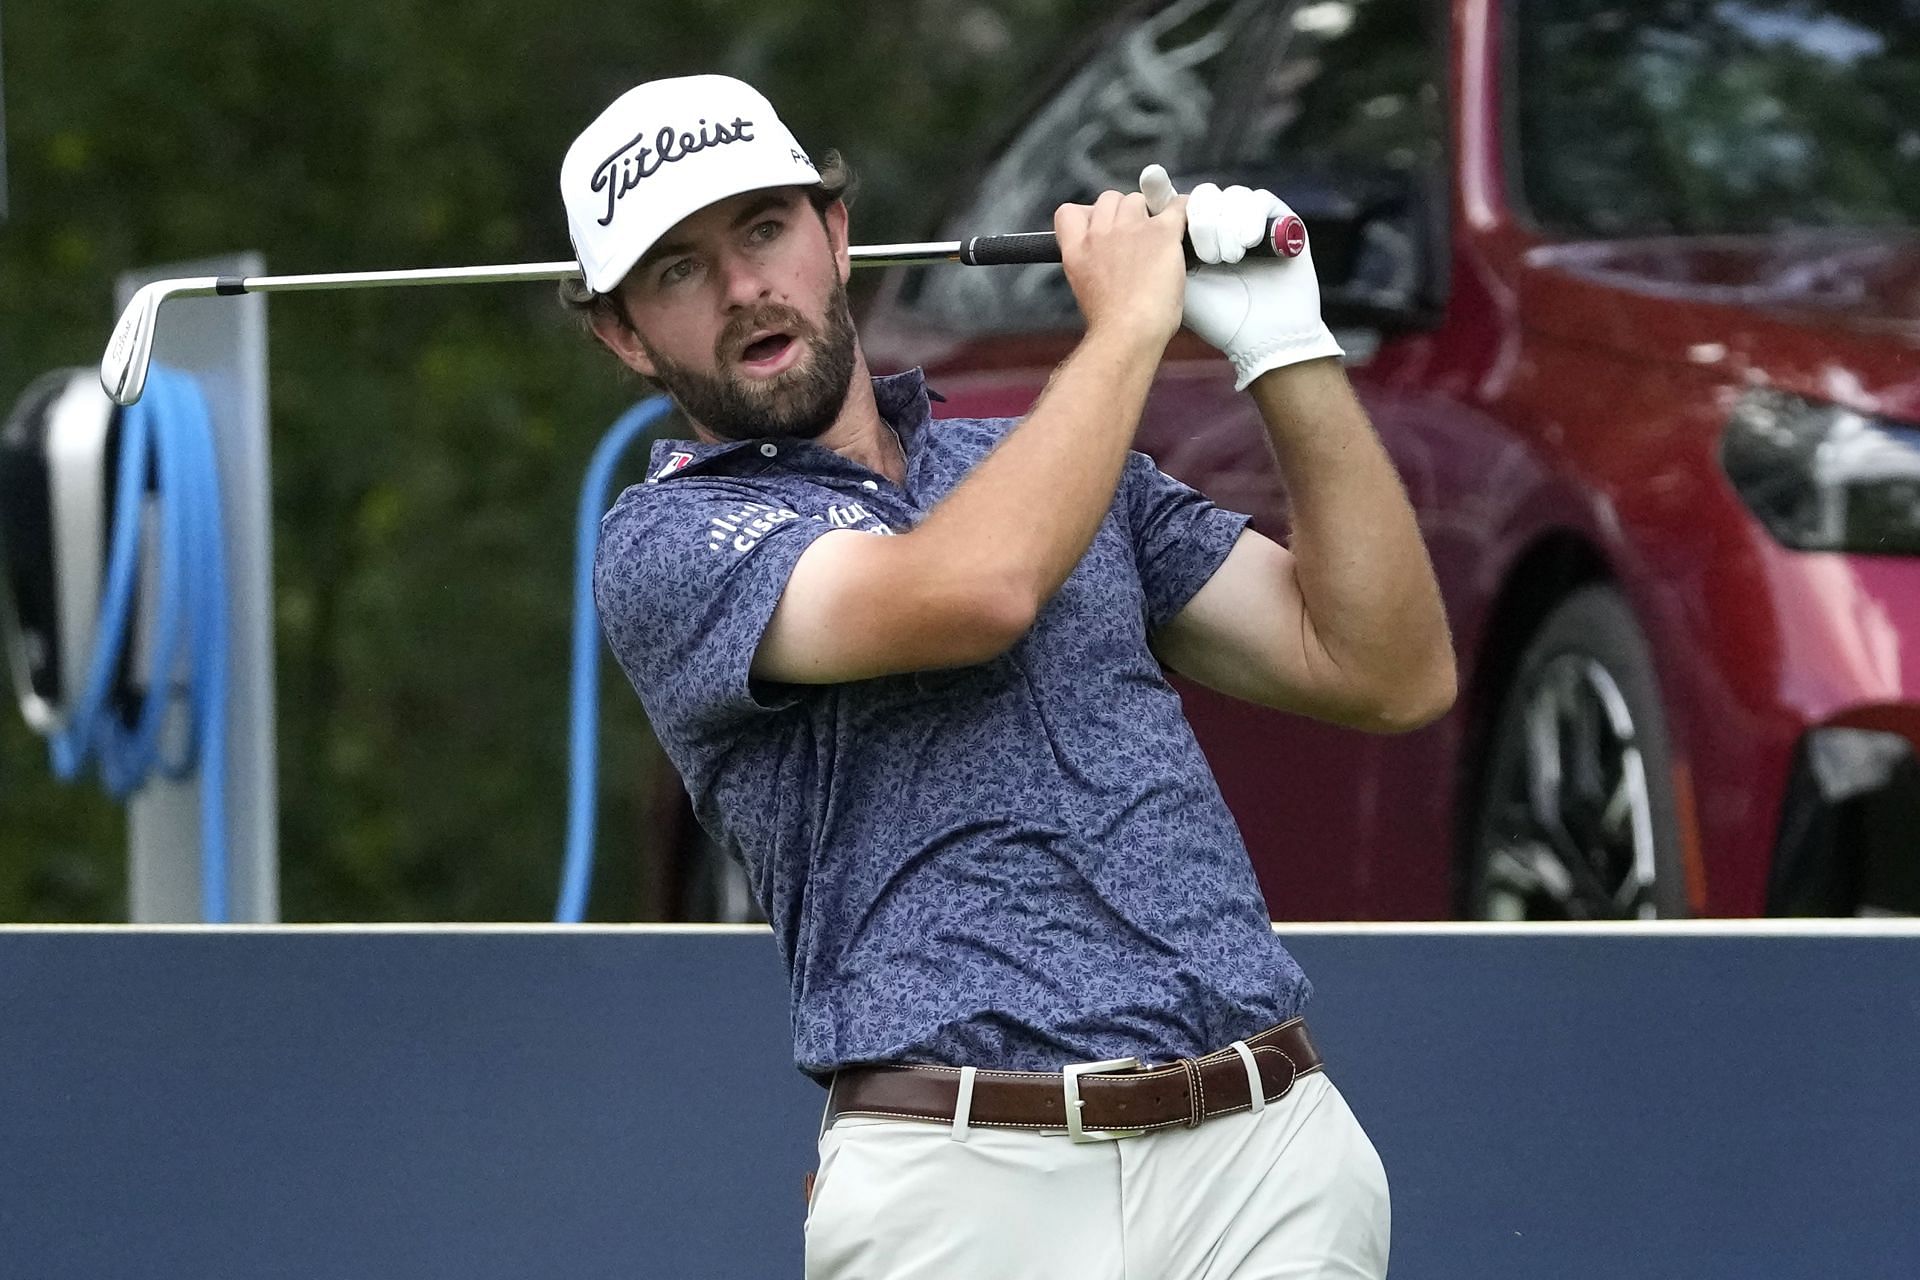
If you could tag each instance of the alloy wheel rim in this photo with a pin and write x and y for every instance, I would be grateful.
(1568, 831)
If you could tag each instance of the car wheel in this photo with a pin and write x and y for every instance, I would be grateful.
(713, 885)
(1575, 817)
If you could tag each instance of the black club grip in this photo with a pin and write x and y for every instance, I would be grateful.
(1286, 238)
(1010, 250)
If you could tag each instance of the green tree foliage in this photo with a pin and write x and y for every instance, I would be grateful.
(428, 444)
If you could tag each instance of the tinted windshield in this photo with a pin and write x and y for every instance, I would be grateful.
(1700, 116)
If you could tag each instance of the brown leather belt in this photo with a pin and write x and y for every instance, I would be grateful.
(1088, 1100)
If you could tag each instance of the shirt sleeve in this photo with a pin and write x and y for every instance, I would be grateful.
(1180, 538)
(686, 577)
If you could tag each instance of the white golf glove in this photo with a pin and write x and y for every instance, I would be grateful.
(1264, 313)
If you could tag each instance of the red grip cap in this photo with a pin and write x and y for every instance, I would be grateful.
(1289, 236)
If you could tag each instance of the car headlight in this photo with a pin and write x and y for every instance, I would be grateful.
(1824, 478)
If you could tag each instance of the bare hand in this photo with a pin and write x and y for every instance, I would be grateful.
(1126, 266)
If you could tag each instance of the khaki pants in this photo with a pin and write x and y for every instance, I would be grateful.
(1295, 1191)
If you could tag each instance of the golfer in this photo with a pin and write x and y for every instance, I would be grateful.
(911, 671)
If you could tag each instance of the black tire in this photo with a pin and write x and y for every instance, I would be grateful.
(1574, 814)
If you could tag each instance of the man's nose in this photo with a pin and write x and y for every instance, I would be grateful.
(745, 283)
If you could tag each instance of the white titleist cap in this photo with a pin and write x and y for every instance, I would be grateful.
(662, 151)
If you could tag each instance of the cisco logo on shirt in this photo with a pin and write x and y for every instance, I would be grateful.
(743, 528)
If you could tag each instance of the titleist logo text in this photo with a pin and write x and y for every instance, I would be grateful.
(626, 168)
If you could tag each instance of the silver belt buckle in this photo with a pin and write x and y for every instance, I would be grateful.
(1070, 1082)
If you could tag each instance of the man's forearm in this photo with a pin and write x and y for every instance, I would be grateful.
(1370, 597)
(1027, 513)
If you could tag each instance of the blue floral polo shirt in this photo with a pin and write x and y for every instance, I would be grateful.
(1013, 865)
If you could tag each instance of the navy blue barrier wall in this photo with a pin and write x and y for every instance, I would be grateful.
(602, 1103)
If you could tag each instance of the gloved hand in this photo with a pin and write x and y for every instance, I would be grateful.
(1264, 313)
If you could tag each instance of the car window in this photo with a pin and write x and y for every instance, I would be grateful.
(1718, 116)
(1352, 87)
(1247, 88)
(1152, 95)
(1348, 112)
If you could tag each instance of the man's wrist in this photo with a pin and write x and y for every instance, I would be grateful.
(1301, 375)
(1128, 338)
(1309, 400)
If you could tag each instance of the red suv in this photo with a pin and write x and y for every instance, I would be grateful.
(1632, 293)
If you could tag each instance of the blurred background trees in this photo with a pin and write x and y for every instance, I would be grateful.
(427, 444)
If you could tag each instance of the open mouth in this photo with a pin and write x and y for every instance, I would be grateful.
(769, 353)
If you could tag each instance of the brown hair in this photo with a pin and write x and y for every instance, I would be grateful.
(837, 182)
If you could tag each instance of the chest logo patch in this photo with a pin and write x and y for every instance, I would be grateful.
(851, 516)
(675, 462)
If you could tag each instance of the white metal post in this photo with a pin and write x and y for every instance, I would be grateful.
(223, 343)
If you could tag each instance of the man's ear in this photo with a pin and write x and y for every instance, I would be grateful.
(617, 337)
(837, 223)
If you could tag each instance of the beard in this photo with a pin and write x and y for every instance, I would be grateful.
(800, 402)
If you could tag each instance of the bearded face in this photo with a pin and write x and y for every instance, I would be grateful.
(774, 372)
(740, 312)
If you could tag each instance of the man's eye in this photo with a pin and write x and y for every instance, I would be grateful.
(677, 272)
(766, 230)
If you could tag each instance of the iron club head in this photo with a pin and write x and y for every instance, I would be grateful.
(123, 369)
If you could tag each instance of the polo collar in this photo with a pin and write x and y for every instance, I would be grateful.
(904, 400)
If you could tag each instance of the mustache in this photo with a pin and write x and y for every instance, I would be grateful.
(734, 337)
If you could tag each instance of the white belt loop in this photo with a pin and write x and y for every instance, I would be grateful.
(827, 1111)
(963, 1107)
(1255, 1089)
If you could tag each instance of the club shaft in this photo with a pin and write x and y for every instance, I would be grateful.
(883, 255)
(123, 369)
(1021, 247)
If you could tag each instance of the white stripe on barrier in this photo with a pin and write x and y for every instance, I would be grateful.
(1862, 927)
(1851, 927)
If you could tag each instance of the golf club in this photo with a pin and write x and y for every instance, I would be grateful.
(123, 369)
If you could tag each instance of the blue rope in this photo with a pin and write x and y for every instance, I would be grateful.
(168, 432)
(577, 876)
